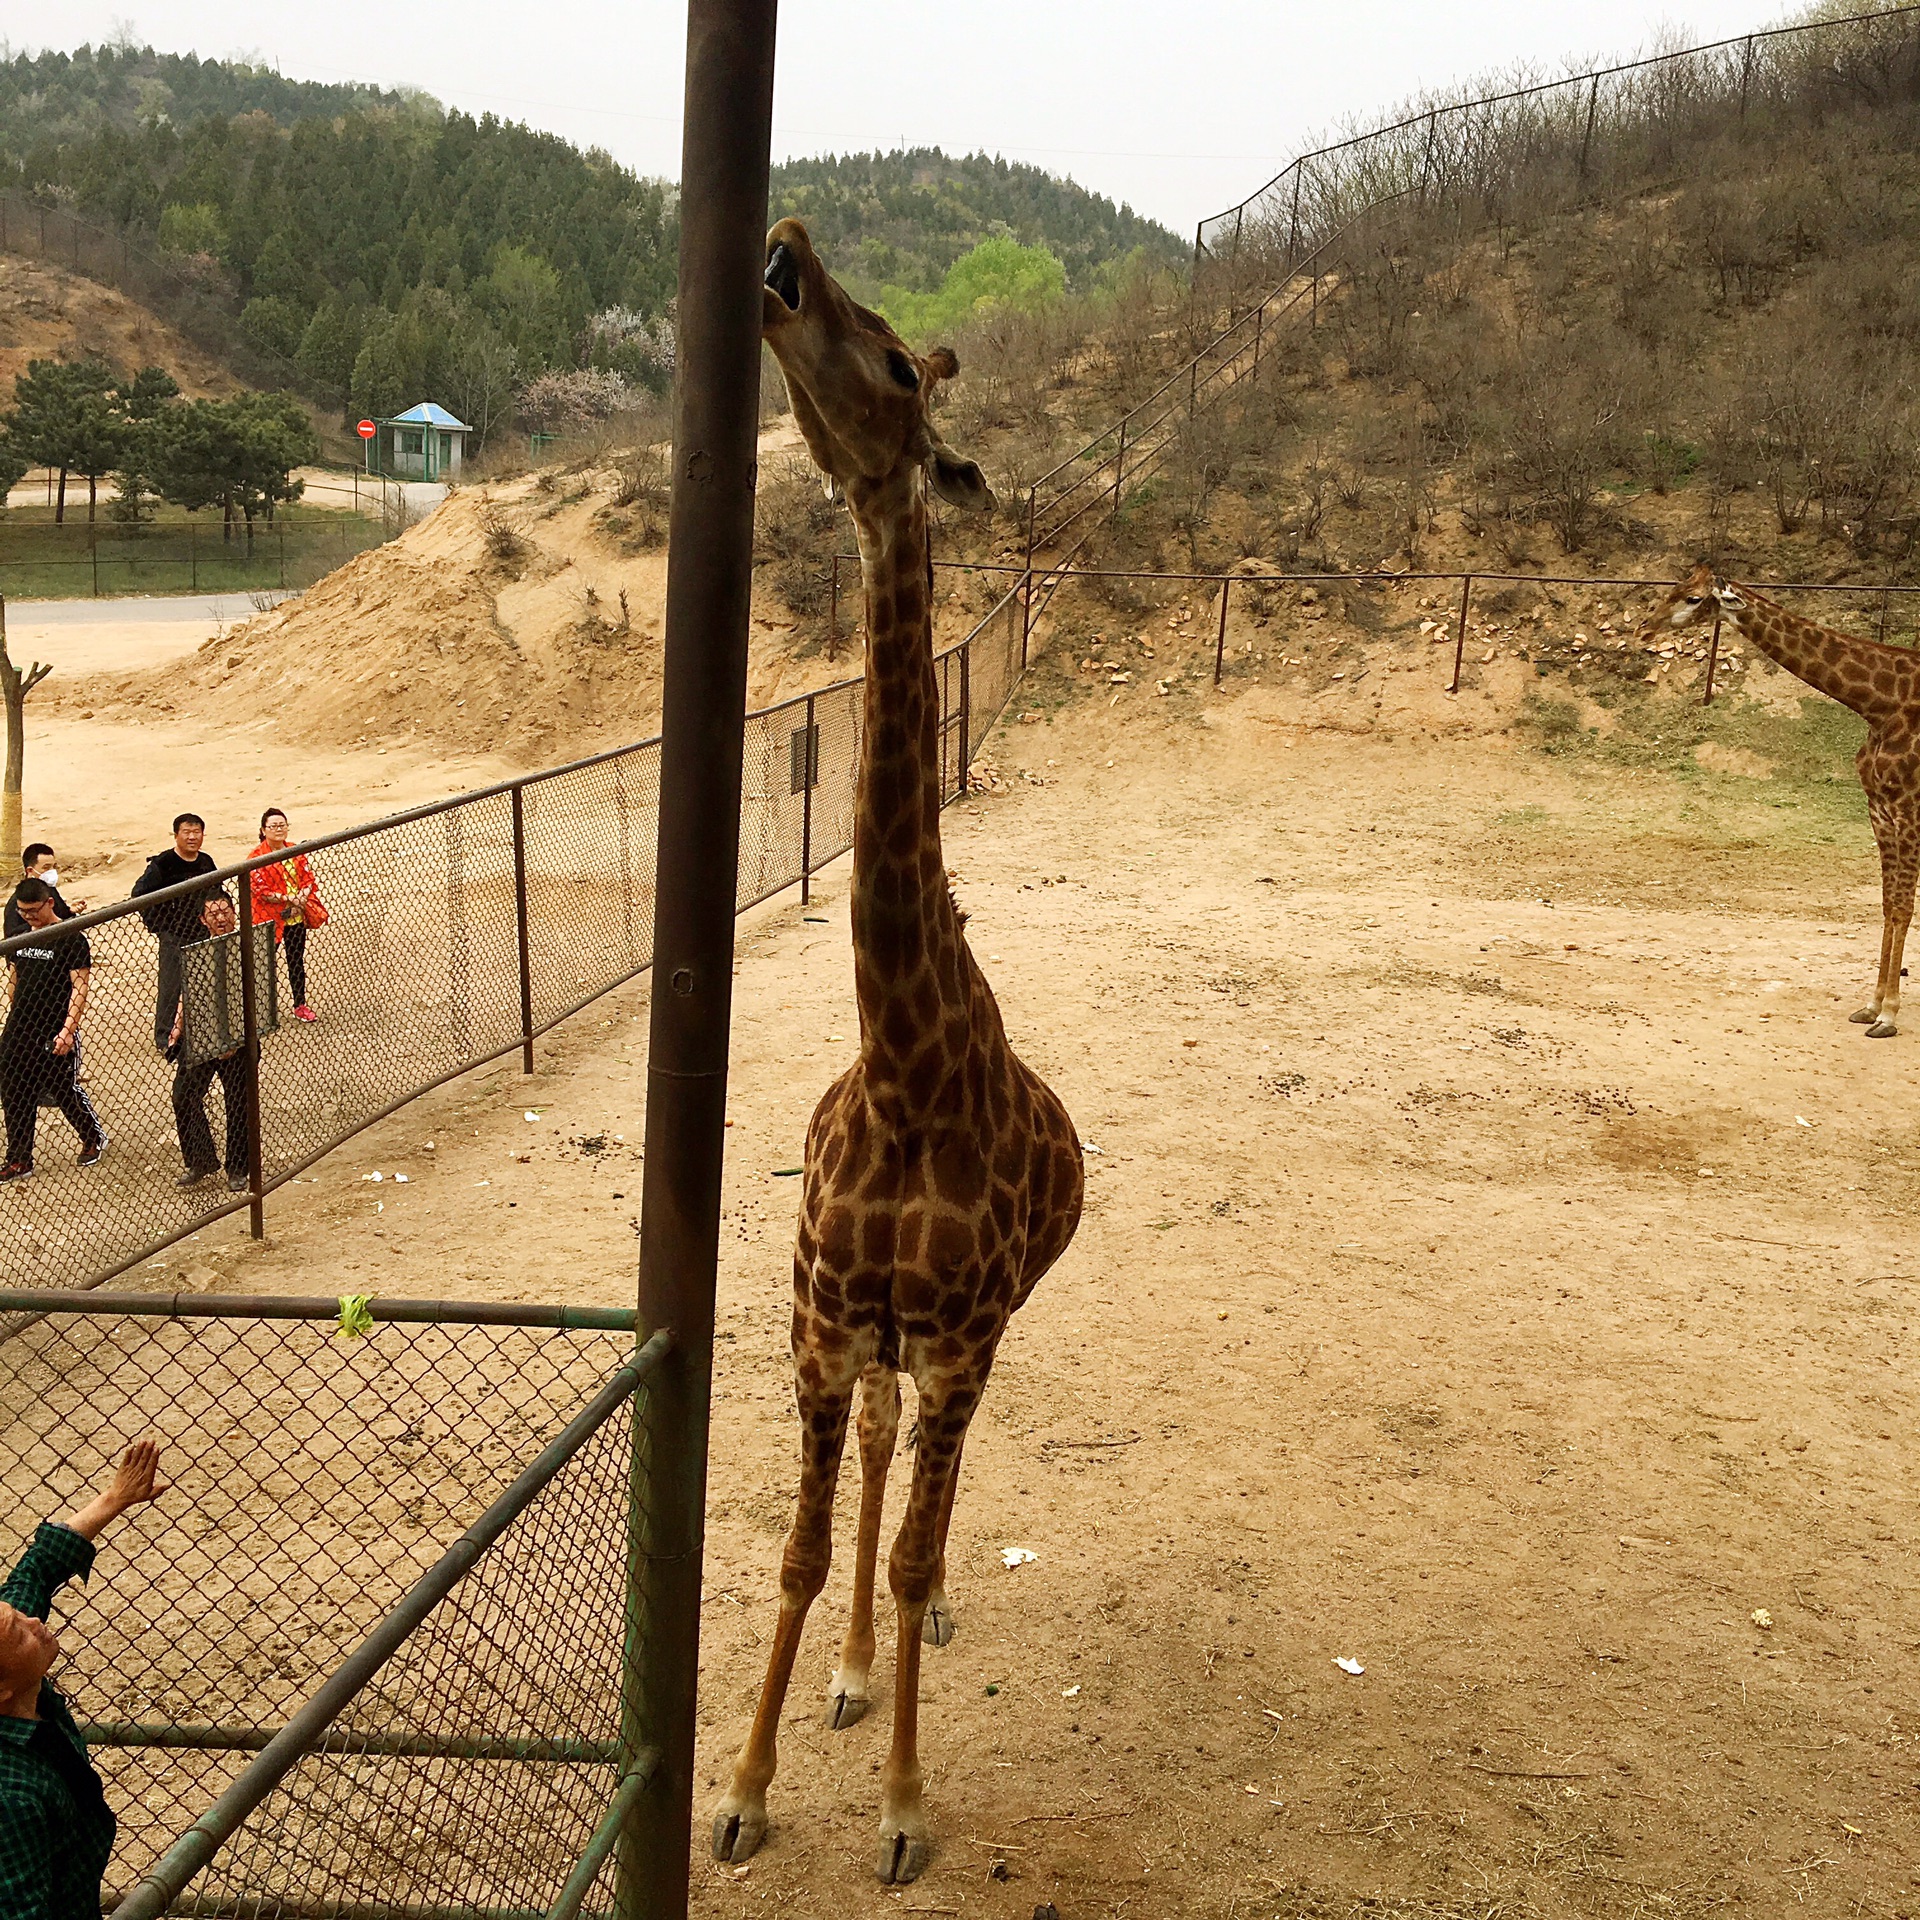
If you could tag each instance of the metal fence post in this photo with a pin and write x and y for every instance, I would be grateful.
(1746, 75)
(250, 1052)
(1883, 616)
(1586, 139)
(727, 123)
(1293, 231)
(833, 610)
(1713, 659)
(1460, 637)
(93, 555)
(280, 531)
(193, 553)
(1220, 641)
(1120, 464)
(966, 718)
(520, 927)
(808, 769)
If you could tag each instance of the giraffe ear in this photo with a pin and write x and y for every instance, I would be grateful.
(941, 363)
(959, 482)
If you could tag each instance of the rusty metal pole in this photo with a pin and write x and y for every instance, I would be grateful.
(520, 928)
(809, 772)
(1119, 467)
(1460, 637)
(1220, 641)
(1713, 659)
(833, 614)
(728, 119)
(1586, 139)
(966, 718)
(1883, 616)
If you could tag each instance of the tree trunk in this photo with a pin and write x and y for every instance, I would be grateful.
(15, 686)
(60, 504)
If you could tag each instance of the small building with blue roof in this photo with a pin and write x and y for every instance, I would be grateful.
(424, 443)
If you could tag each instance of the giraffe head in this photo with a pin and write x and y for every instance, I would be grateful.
(1697, 601)
(859, 396)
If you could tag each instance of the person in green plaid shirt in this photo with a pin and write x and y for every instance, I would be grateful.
(56, 1829)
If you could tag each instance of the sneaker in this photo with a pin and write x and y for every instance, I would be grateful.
(91, 1152)
(236, 1183)
(13, 1170)
(304, 1012)
(194, 1175)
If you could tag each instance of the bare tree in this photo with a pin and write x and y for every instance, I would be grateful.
(15, 686)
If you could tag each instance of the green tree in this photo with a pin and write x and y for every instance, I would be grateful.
(382, 373)
(274, 436)
(525, 296)
(13, 467)
(274, 323)
(193, 229)
(144, 402)
(56, 417)
(999, 272)
(328, 349)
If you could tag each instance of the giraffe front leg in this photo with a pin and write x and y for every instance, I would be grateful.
(1868, 1015)
(740, 1820)
(847, 1696)
(1887, 1025)
(906, 1841)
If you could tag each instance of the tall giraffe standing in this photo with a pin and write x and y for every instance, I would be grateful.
(1882, 685)
(943, 1177)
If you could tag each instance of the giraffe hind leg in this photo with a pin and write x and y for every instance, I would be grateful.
(1900, 864)
(847, 1696)
(1886, 1025)
(740, 1821)
(1866, 1016)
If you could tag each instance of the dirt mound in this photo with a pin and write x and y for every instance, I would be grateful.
(48, 313)
(525, 619)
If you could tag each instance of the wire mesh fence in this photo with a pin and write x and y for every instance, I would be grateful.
(79, 559)
(1545, 140)
(439, 939)
(395, 1572)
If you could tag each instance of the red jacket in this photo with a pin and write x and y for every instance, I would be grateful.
(274, 888)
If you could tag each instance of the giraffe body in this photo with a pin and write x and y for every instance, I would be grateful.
(1882, 685)
(942, 1176)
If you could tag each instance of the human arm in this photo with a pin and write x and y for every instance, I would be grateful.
(82, 982)
(133, 1482)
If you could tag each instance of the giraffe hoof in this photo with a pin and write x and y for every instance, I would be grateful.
(737, 1832)
(1865, 1017)
(902, 1857)
(846, 1702)
(939, 1626)
(1882, 1030)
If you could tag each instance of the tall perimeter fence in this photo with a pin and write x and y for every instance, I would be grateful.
(456, 934)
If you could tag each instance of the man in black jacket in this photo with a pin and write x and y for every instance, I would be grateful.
(173, 921)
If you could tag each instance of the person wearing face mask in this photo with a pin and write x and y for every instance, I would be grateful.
(38, 864)
(56, 1829)
(173, 921)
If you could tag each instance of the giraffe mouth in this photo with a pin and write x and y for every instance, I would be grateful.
(783, 276)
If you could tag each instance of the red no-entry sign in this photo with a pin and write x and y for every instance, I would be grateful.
(366, 429)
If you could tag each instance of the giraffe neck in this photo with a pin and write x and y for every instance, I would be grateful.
(1861, 674)
(910, 965)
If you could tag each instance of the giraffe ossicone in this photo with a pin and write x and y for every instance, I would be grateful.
(942, 1175)
(1882, 685)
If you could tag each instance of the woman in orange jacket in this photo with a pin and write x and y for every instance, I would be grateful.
(286, 894)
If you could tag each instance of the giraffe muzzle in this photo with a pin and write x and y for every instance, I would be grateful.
(783, 276)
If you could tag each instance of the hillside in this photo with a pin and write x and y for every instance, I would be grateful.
(51, 99)
(902, 219)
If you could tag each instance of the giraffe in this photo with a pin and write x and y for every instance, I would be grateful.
(1882, 685)
(942, 1176)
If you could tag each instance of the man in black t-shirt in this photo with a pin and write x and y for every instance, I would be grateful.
(173, 922)
(40, 1044)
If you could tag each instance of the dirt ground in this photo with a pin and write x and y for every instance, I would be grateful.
(1497, 1272)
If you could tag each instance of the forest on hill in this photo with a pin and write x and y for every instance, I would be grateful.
(902, 220)
(378, 247)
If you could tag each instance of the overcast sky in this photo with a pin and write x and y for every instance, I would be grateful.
(1179, 106)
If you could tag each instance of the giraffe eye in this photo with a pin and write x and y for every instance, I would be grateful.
(905, 373)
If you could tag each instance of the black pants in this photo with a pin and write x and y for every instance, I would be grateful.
(26, 1073)
(166, 995)
(294, 939)
(190, 1085)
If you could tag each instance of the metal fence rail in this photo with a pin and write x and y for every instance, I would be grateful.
(456, 933)
(379, 1645)
(94, 559)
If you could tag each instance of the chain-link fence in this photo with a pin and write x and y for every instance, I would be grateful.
(381, 1647)
(82, 559)
(435, 941)
(1550, 140)
(192, 295)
